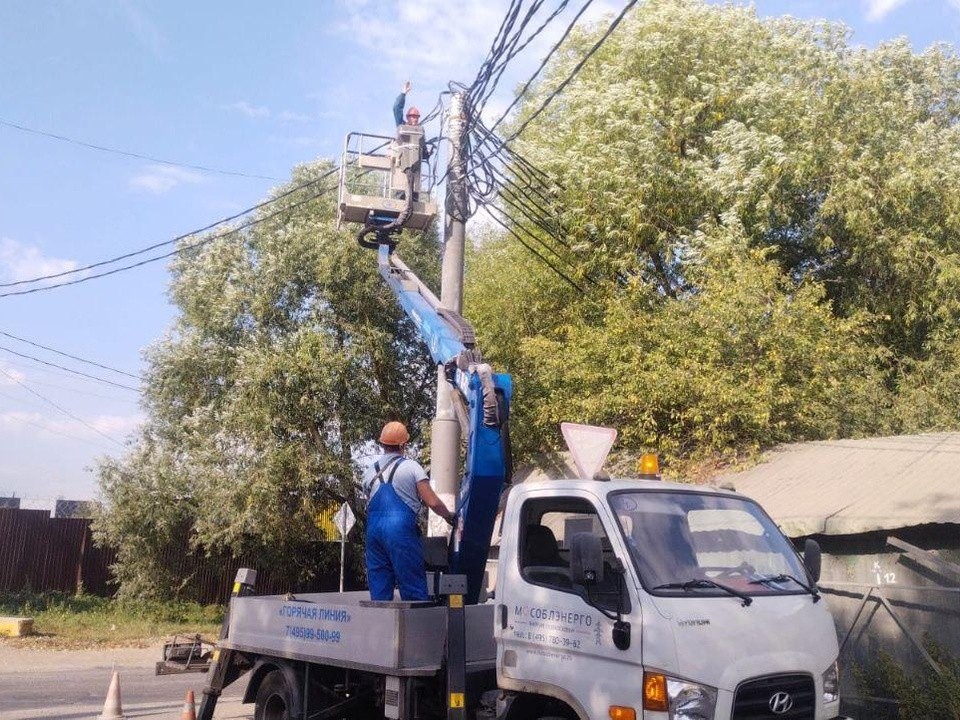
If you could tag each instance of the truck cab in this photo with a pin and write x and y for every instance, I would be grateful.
(633, 598)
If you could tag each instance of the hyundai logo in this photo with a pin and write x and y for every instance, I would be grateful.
(780, 703)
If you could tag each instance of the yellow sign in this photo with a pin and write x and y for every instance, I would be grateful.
(324, 521)
(456, 700)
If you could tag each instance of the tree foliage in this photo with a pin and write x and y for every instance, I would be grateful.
(762, 216)
(287, 355)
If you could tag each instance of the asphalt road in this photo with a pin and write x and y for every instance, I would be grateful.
(72, 685)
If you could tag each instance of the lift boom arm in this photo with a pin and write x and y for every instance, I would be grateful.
(483, 399)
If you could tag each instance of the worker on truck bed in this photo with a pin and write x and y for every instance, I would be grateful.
(397, 487)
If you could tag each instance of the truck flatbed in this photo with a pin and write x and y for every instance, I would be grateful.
(348, 630)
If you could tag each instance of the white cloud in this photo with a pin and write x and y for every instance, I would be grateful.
(955, 3)
(290, 116)
(115, 426)
(248, 109)
(433, 41)
(143, 27)
(877, 10)
(16, 418)
(300, 141)
(159, 179)
(427, 41)
(23, 262)
(10, 375)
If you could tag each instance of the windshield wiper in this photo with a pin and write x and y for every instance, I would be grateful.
(704, 583)
(782, 578)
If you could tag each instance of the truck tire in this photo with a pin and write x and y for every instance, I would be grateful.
(275, 699)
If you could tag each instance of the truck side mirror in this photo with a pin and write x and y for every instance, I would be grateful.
(812, 558)
(586, 559)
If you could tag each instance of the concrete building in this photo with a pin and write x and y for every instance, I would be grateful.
(886, 512)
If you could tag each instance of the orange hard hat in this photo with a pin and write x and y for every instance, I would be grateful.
(394, 433)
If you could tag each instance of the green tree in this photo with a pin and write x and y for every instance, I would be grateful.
(287, 355)
(766, 215)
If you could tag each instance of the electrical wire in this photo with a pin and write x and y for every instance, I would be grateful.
(492, 168)
(77, 391)
(596, 46)
(531, 249)
(46, 428)
(526, 86)
(138, 156)
(69, 370)
(177, 251)
(68, 355)
(172, 241)
(57, 407)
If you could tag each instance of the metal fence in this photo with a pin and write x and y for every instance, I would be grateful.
(897, 614)
(39, 553)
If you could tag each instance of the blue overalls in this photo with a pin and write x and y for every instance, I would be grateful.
(394, 554)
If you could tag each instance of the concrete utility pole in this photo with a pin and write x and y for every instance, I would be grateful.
(445, 445)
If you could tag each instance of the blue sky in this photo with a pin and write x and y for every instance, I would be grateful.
(237, 86)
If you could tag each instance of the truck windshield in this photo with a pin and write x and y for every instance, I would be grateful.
(677, 539)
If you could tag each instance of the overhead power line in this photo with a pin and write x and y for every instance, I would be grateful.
(58, 408)
(177, 251)
(69, 370)
(171, 241)
(596, 46)
(68, 355)
(138, 156)
(27, 421)
(529, 247)
(543, 64)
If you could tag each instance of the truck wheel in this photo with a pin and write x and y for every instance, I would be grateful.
(274, 698)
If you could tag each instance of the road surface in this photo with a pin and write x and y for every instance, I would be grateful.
(72, 685)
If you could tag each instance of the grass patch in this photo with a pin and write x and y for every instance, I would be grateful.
(62, 620)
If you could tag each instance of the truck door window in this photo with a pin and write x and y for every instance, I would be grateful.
(547, 526)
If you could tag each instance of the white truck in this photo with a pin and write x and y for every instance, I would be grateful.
(614, 599)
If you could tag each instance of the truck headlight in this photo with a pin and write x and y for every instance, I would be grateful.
(680, 699)
(831, 683)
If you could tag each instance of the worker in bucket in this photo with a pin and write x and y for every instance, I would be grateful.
(396, 488)
(412, 116)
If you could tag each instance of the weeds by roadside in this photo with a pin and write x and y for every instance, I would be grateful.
(65, 621)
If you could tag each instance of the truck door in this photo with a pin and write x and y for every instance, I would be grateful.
(553, 636)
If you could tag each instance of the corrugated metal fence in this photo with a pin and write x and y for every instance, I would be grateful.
(39, 553)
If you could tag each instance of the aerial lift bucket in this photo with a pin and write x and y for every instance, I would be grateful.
(374, 186)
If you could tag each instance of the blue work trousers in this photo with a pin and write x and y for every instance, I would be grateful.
(394, 554)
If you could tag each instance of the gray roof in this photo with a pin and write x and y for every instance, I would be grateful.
(843, 487)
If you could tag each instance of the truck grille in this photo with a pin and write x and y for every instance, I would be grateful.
(778, 697)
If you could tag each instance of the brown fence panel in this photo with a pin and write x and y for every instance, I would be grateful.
(60, 558)
(22, 540)
(41, 554)
(97, 578)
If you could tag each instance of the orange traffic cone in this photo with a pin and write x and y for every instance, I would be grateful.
(189, 708)
(111, 707)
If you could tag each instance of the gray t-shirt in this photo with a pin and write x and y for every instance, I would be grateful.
(406, 474)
